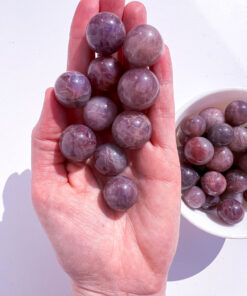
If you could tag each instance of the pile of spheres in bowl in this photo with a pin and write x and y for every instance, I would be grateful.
(212, 147)
(137, 89)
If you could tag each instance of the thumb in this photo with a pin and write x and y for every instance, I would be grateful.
(162, 114)
(47, 160)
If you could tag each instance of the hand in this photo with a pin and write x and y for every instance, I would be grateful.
(105, 252)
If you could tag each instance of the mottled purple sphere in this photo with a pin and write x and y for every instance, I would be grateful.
(230, 211)
(236, 181)
(220, 134)
(242, 162)
(105, 33)
(120, 193)
(236, 113)
(138, 89)
(212, 116)
(109, 160)
(182, 137)
(72, 89)
(77, 142)
(99, 113)
(222, 160)
(181, 155)
(104, 73)
(211, 202)
(213, 183)
(143, 46)
(239, 142)
(131, 130)
(232, 195)
(189, 177)
(194, 197)
(194, 126)
(199, 151)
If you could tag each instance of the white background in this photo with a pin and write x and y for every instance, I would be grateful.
(208, 42)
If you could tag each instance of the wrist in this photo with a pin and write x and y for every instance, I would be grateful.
(78, 291)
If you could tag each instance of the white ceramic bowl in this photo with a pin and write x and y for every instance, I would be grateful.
(210, 222)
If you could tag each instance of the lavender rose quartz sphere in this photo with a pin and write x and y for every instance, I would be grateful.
(211, 202)
(232, 195)
(212, 116)
(194, 197)
(138, 89)
(230, 211)
(105, 33)
(189, 177)
(109, 160)
(181, 156)
(131, 130)
(99, 113)
(72, 89)
(239, 142)
(236, 113)
(120, 193)
(199, 151)
(220, 134)
(77, 142)
(104, 73)
(213, 183)
(182, 137)
(236, 181)
(222, 160)
(194, 126)
(143, 46)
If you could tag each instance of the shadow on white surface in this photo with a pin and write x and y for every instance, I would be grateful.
(28, 265)
(196, 250)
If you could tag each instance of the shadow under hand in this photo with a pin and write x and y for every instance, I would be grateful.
(196, 250)
(28, 265)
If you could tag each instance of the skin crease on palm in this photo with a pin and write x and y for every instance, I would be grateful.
(105, 252)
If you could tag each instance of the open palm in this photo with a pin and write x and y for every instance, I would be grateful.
(105, 252)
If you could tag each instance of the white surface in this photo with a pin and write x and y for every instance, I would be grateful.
(210, 222)
(208, 42)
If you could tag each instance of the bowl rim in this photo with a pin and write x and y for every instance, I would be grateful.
(178, 115)
(196, 98)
